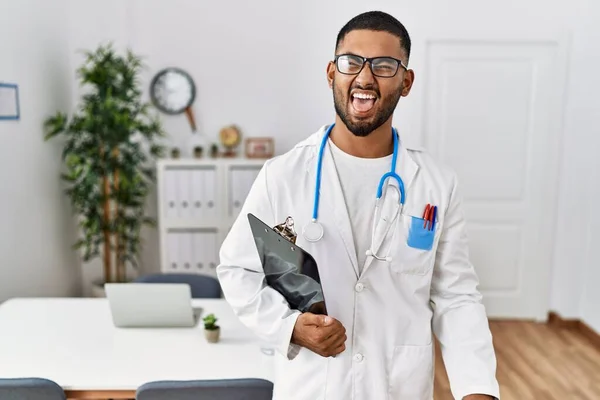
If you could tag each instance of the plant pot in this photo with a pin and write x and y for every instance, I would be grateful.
(212, 335)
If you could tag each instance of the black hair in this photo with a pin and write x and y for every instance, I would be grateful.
(377, 21)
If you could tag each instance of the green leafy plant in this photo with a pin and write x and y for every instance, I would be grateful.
(210, 322)
(108, 172)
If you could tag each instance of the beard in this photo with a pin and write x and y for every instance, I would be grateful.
(364, 127)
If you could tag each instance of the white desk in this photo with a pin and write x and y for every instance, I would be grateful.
(73, 342)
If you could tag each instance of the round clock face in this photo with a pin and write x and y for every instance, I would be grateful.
(172, 90)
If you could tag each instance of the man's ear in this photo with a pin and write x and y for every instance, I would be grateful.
(407, 82)
(330, 73)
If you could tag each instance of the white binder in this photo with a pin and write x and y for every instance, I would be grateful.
(170, 195)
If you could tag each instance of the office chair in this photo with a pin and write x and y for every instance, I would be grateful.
(203, 286)
(30, 389)
(219, 389)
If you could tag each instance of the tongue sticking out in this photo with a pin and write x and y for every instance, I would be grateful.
(362, 105)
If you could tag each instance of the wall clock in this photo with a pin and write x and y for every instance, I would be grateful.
(173, 92)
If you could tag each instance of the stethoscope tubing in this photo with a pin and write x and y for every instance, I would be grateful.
(391, 174)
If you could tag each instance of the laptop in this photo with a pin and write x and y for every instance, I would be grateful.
(151, 305)
(288, 268)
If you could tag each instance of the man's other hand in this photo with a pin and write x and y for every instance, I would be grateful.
(321, 334)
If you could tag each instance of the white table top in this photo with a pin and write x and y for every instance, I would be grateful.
(73, 342)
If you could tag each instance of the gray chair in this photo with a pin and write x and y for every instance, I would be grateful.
(203, 286)
(219, 389)
(30, 389)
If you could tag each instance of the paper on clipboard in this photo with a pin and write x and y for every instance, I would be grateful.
(289, 269)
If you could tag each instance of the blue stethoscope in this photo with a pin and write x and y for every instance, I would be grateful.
(313, 231)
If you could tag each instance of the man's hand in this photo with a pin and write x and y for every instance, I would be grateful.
(322, 334)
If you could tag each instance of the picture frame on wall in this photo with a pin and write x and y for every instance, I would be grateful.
(9, 102)
(260, 147)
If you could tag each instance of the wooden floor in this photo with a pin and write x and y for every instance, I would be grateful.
(538, 361)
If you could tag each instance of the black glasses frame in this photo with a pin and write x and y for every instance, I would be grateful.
(370, 60)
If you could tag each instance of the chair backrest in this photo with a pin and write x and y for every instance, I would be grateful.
(218, 389)
(203, 286)
(30, 389)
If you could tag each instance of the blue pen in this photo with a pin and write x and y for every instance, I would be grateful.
(433, 217)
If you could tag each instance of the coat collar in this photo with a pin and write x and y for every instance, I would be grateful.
(332, 205)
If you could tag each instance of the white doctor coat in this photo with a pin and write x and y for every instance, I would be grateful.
(391, 311)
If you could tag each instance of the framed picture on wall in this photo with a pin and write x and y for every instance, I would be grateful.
(9, 101)
(260, 147)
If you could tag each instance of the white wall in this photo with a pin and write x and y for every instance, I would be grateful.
(35, 228)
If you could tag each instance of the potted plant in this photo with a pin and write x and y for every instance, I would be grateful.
(108, 171)
(214, 150)
(211, 329)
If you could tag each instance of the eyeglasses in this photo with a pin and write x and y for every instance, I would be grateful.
(385, 67)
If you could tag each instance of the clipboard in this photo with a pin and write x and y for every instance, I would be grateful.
(288, 268)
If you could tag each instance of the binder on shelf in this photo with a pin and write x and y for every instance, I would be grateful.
(184, 188)
(173, 251)
(198, 190)
(199, 250)
(170, 194)
(185, 251)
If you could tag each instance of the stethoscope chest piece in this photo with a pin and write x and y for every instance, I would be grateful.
(313, 231)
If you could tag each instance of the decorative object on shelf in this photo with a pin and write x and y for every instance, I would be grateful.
(198, 150)
(212, 331)
(173, 91)
(175, 153)
(260, 147)
(230, 137)
(108, 173)
(214, 150)
(9, 102)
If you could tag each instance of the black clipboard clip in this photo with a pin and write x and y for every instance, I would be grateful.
(286, 229)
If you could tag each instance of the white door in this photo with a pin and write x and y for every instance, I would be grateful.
(491, 113)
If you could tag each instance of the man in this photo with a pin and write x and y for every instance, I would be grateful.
(390, 282)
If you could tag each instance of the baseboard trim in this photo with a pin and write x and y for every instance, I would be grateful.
(556, 321)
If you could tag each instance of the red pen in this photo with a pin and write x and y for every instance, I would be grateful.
(426, 215)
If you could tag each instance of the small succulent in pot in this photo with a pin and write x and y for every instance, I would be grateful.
(211, 329)
(214, 150)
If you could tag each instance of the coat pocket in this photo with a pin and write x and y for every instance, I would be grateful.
(419, 236)
(412, 373)
(415, 252)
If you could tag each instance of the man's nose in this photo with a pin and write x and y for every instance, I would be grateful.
(365, 77)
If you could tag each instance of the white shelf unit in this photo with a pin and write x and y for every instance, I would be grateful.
(198, 200)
